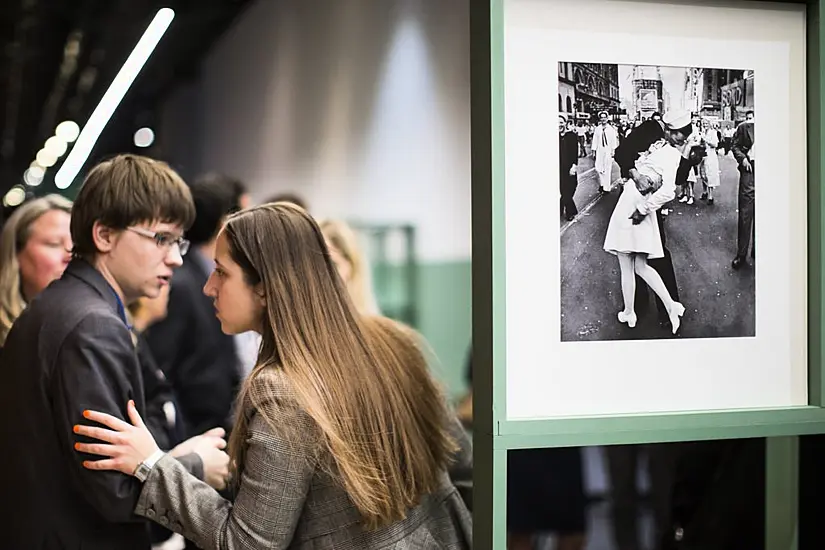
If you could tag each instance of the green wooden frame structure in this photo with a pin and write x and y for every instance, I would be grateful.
(494, 435)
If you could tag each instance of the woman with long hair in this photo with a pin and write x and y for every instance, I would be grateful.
(342, 437)
(35, 248)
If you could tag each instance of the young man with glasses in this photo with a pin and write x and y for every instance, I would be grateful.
(72, 350)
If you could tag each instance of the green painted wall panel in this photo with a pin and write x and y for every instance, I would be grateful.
(444, 316)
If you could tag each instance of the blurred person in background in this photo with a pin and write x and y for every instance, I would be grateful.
(545, 489)
(161, 403)
(352, 263)
(289, 196)
(545, 494)
(342, 439)
(161, 410)
(35, 248)
(353, 267)
(240, 194)
(201, 362)
(718, 496)
(161, 407)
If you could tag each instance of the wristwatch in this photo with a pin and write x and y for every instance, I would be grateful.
(143, 469)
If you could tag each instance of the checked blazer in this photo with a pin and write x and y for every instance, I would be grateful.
(285, 501)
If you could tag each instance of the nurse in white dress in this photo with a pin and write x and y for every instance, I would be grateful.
(709, 168)
(633, 232)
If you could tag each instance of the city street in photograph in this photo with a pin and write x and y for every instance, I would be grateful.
(657, 170)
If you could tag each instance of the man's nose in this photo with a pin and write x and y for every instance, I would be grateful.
(174, 257)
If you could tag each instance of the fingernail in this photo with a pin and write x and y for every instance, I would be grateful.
(77, 446)
(76, 429)
(86, 414)
(86, 463)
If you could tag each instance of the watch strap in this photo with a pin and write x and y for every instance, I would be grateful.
(143, 469)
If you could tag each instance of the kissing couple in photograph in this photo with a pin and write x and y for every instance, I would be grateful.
(650, 159)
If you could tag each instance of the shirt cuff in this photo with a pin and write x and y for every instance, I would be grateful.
(152, 460)
(143, 469)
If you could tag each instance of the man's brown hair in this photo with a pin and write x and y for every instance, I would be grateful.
(126, 190)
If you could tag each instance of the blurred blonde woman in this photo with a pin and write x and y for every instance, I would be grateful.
(35, 248)
(342, 438)
(349, 257)
(353, 267)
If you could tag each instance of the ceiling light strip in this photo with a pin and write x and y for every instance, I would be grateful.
(112, 98)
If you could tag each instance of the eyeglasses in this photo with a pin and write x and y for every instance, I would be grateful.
(163, 240)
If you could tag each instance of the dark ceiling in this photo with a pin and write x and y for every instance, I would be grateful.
(60, 56)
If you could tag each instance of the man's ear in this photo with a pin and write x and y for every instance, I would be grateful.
(104, 237)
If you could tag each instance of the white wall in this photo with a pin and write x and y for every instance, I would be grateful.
(361, 106)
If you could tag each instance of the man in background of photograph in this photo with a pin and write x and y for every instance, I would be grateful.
(605, 142)
(743, 152)
(581, 133)
(568, 169)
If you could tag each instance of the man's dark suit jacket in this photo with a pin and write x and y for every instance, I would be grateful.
(568, 153)
(198, 358)
(742, 141)
(160, 398)
(69, 351)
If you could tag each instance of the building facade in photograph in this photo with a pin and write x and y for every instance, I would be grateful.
(721, 94)
(693, 96)
(596, 88)
(737, 97)
(648, 93)
(567, 90)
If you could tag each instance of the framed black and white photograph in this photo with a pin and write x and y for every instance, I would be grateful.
(657, 199)
(646, 292)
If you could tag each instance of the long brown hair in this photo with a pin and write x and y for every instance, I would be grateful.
(364, 381)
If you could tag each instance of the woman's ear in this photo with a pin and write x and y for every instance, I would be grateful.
(259, 291)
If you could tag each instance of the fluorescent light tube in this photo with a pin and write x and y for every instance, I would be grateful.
(112, 98)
